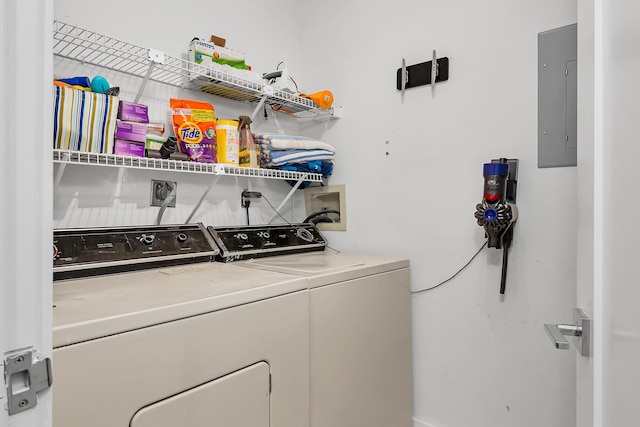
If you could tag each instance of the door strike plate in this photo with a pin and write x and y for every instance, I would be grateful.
(25, 379)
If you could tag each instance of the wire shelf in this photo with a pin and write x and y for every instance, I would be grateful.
(224, 169)
(114, 160)
(70, 41)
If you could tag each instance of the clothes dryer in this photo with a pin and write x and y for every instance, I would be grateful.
(359, 327)
(148, 332)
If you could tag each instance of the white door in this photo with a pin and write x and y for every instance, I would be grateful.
(609, 208)
(25, 201)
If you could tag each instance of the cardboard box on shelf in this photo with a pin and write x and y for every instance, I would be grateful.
(131, 131)
(205, 53)
(218, 41)
(154, 142)
(128, 148)
(132, 112)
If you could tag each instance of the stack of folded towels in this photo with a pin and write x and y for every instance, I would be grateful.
(296, 153)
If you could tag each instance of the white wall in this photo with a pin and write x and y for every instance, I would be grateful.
(480, 359)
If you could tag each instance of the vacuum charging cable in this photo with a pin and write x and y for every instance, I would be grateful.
(455, 274)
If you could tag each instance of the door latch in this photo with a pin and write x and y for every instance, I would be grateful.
(25, 379)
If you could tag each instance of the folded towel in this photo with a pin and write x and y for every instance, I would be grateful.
(288, 142)
(314, 166)
(284, 157)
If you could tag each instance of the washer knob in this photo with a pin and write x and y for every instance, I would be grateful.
(182, 237)
(147, 239)
(304, 234)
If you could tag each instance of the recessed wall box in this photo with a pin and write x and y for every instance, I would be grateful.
(332, 199)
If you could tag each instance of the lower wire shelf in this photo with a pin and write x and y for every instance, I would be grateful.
(114, 160)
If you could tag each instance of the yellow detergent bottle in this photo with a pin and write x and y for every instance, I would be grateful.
(228, 139)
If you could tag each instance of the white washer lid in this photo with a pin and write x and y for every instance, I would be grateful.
(95, 307)
(324, 268)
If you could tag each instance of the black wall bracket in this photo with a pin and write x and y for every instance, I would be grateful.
(423, 73)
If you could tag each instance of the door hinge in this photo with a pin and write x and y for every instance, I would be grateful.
(25, 379)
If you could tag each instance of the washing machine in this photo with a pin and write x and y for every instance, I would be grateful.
(149, 332)
(359, 321)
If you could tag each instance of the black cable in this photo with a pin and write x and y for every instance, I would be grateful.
(245, 203)
(313, 217)
(457, 272)
(295, 84)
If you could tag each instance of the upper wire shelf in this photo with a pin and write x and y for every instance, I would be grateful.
(114, 160)
(70, 41)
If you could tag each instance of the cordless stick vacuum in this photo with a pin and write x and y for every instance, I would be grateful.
(498, 212)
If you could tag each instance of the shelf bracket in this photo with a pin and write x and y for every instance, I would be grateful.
(258, 107)
(155, 57)
(197, 206)
(61, 169)
(286, 199)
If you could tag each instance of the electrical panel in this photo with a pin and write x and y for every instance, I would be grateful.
(557, 97)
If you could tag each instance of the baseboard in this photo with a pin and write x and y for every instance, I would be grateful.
(418, 423)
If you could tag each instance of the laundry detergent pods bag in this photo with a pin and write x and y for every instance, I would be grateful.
(194, 124)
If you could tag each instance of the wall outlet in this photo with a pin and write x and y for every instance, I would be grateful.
(160, 190)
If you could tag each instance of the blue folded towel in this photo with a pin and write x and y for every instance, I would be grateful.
(314, 166)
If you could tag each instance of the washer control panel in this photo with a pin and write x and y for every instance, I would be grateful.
(92, 251)
(237, 243)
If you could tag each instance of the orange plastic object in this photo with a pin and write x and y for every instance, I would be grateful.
(323, 99)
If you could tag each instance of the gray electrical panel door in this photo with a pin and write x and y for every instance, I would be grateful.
(557, 97)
